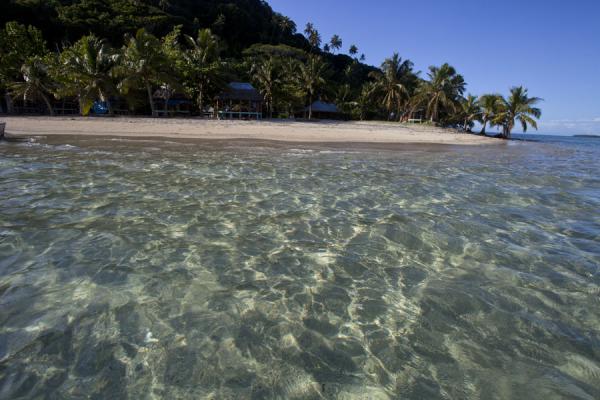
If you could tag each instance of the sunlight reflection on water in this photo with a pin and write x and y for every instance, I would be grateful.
(213, 270)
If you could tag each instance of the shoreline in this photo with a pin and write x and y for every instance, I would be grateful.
(338, 132)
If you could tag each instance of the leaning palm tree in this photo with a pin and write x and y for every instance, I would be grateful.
(490, 107)
(36, 84)
(143, 64)
(87, 72)
(470, 112)
(518, 107)
(442, 93)
(311, 79)
(203, 63)
(395, 83)
(266, 77)
(335, 43)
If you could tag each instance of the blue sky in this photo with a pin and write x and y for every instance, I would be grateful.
(551, 47)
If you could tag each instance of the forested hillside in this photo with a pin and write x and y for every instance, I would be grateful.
(239, 23)
(127, 51)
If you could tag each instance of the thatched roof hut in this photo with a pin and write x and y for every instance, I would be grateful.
(240, 92)
(324, 108)
(239, 100)
(169, 102)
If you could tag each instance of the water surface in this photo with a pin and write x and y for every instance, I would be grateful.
(187, 270)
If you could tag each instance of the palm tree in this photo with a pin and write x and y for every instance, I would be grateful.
(490, 107)
(265, 75)
(344, 98)
(313, 36)
(364, 102)
(88, 72)
(335, 43)
(309, 28)
(394, 82)
(312, 79)
(203, 62)
(286, 24)
(353, 50)
(470, 111)
(518, 107)
(442, 92)
(143, 64)
(36, 84)
(291, 92)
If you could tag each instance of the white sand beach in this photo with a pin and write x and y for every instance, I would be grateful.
(285, 131)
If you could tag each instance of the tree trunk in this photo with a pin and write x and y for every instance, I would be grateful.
(9, 104)
(483, 129)
(310, 107)
(149, 91)
(48, 104)
(105, 98)
(201, 97)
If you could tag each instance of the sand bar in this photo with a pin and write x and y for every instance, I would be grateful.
(286, 131)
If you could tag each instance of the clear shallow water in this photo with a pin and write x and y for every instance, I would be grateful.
(198, 270)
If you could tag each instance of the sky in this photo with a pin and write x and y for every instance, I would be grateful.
(552, 47)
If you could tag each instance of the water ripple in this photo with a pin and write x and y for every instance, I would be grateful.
(195, 270)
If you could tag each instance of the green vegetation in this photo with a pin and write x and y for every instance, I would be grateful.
(143, 64)
(86, 71)
(518, 107)
(118, 51)
(36, 83)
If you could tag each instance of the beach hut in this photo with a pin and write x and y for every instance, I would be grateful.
(168, 102)
(323, 110)
(239, 100)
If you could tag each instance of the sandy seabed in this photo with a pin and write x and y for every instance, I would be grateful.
(276, 130)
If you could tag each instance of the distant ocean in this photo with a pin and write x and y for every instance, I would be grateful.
(567, 140)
